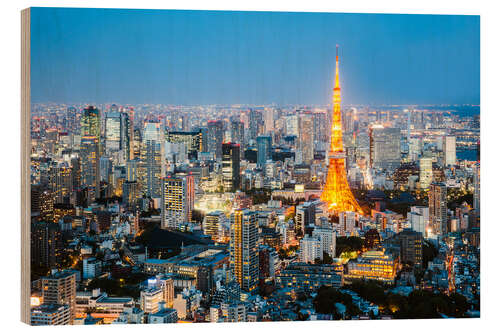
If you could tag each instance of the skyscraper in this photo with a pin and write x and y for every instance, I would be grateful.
(264, 146)
(90, 122)
(438, 211)
(215, 137)
(244, 256)
(306, 138)
(336, 192)
(152, 159)
(425, 172)
(450, 155)
(255, 121)
(231, 166)
(89, 153)
(113, 132)
(385, 147)
(177, 200)
(477, 190)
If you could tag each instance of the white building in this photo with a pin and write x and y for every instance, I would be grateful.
(450, 155)
(92, 268)
(327, 238)
(310, 249)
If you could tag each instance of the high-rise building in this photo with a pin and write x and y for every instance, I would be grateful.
(244, 257)
(215, 137)
(450, 154)
(152, 159)
(269, 120)
(477, 190)
(212, 224)
(306, 138)
(89, 154)
(336, 192)
(60, 288)
(292, 125)
(177, 200)
(320, 126)
(328, 239)
(425, 172)
(438, 211)
(230, 167)
(310, 249)
(305, 215)
(255, 122)
(264, 150)
(61, 183)
(411, 243)
(90, 123)
(112, 127)
(71, 123)
(46, 245)
(385, 147)
(192, 140)
(238, 132)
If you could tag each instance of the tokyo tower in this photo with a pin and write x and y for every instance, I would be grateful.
(336, 192)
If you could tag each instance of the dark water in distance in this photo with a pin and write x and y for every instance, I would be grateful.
(467, 154)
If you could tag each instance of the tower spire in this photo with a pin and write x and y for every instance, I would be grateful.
(336, 192)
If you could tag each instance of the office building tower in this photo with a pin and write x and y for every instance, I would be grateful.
(177, 200)
(477, 190)
(244, 259)
(60, 288)
(449, 149)
(415, 147)
(425, 174)
(255, 122)
(320, 124)
(264, 150)
(306, 138)
(215, 137)
(152, 159)
(310, 249)
(348, 120)
(106, 169)
(192, 141)
(61, 182)
(238, 132)
(438, 212)
(230, 167)
(292, 125)
(90, 123)
(385, 147)
(89, 155)
(113, 132)
(269, 120)
(71, 122)
(212, 225)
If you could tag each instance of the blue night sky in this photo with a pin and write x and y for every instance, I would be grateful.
(208, 57)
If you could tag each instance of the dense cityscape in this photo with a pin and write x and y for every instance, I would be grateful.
(242, 213)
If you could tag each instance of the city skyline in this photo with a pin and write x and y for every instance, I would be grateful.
(212, 57)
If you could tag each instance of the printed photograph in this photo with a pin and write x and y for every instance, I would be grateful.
(229, 166)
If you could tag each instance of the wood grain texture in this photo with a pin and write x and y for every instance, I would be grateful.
(25, 166)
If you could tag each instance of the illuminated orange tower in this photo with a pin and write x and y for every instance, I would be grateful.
(336, 192)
